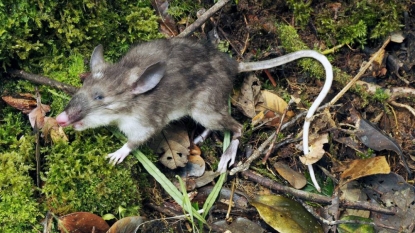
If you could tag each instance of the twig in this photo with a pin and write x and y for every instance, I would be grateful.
(44, 81)
(361, 72)
(245, 165)
(312, 196)
(409, 108)
(271, 79)
(189, 30)
(228, 217)
(264, 160)
(333, 222)
(297, 117)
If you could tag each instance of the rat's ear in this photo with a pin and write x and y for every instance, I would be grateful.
(97, 62)
(149, 78)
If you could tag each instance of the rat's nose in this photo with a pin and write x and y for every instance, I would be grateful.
(63, 119)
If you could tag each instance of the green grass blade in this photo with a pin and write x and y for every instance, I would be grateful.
(164, 182)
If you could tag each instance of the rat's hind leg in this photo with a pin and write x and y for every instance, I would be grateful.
(220, 120)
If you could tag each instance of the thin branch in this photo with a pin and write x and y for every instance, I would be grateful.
(44, 81)
(312, 196)
(202, 19)
(361, 72)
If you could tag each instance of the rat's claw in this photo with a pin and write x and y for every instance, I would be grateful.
(119, 155)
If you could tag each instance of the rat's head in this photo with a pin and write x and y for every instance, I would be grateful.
(108, 91)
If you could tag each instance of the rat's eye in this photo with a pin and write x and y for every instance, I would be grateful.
(98, 97)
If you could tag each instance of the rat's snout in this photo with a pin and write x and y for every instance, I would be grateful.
(63, 119)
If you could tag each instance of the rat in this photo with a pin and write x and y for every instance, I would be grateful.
(158, 82)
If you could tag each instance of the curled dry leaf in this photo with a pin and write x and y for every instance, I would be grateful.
(316, 150)
(126, 225)
(82, 222)
(248, 96)
(52, 130)
(296, 179)
(172, 144)
(24, 102)
(37, 115)
(364, 167)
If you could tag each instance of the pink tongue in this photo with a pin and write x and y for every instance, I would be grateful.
(62, 119)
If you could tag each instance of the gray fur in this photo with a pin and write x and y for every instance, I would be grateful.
(197, 81)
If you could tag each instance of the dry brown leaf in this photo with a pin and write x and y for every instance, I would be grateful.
(316, 150)
(271, 101)
(248, 96)
(82, 222)
(172, 144)
(37, 115)
(296, 179)
(364, 167)
(24, 102)
(126, 225)
(166, 21)
(52, 130)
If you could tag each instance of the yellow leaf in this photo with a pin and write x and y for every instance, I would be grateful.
(285, 215)
(364, 167)
(271, 102)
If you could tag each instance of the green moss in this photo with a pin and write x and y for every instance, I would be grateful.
(19, 210)
(292, 42)
(380, 95)
(367, 154)
(79, 177)
(32, 35)
(183, 9)
(301, 10)
(359, 21)
(13, 125)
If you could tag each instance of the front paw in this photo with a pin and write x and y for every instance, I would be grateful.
(119, 155)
